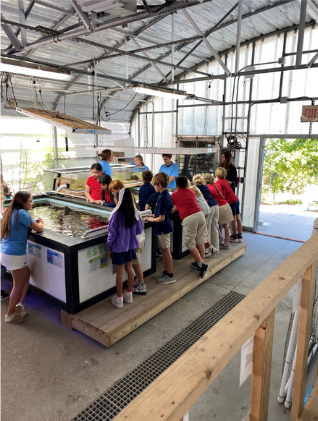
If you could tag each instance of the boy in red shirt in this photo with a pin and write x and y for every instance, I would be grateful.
(233, 201)
(193, 223)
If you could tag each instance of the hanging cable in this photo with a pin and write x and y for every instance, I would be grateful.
(107, 114)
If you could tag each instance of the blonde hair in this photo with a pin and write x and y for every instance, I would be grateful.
(105, 154)
(162, 179)
(189, 184)
(220, 173)
(198, 179)
(115, 185)
(209, 179)
(196, 191)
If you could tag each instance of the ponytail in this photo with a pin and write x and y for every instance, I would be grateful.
(210, 180)
(17, 203)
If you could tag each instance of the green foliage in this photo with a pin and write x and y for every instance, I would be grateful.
(291, 202)
(290, 165)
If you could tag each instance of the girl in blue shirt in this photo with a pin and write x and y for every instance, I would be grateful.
(14, 231)
(107, 157)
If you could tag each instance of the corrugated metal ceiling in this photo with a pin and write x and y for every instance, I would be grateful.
(206, 15)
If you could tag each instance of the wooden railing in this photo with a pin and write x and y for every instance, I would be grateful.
(173, 393)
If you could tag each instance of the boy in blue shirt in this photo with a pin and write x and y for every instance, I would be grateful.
(162, 215)
(171, 169)
(146, 190)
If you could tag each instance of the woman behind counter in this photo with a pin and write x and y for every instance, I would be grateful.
(107, 157)
(227, 163)
(15, 227)
(138, 162)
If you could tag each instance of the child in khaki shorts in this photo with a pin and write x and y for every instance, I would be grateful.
(162, 215)
(193, 223)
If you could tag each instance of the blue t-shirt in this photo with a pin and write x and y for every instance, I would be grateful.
(152, 201)
(15, 242)
(106, 168)
(145, 166)
(146, 190)
(163, 207)
(172, 171)
(207, 195)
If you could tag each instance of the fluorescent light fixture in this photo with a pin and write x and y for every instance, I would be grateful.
(32, 69)
(162, 92)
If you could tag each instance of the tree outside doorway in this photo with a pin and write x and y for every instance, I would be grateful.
(290, 177)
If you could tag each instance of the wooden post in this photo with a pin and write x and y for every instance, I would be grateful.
(66, 319)
(261, 374)
(306, 304)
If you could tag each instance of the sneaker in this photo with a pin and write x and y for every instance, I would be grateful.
(234, 238)
(9, 319)
(117, 301)
(127, 297)
(240, 238)
(140, 288)
(194, 265)
(211, 250)
(166, 280)
(4, 295)
(19, 313)
(160, 275)
(226, 246)
(203, 270)
(221, 240)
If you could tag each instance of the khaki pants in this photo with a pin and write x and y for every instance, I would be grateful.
(164, 241)
(214, 233)
(138, 253)
(194, 230)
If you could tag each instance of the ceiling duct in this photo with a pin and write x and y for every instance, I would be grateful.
(113, 7)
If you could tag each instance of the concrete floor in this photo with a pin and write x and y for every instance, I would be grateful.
(289, 221)
(50, 373)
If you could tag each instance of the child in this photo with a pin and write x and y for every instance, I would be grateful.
(193, 223)
(14, 231)
(107, 196)
(146, 190)
(225, 212)
(151, 202)
(139, 286)
(115, 186)
(162, 215)
(92, 189)
(212, 222)
(233, 201)
(107, 157)
(124, 225)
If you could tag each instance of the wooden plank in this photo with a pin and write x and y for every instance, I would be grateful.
(262, 364)
(93, 333)
(159, 301)
(310, 412)
(173, 393)
(306, 305)
(66, 319)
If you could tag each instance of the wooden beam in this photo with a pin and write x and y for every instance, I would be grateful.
(261, 374)
(306, 305)
(174, 392)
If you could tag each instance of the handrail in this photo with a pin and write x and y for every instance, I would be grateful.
(91, 231)
(173, 393)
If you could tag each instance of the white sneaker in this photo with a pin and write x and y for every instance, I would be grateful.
(127, 297)
(117, 301)
(19, 313)
(211, 250)
(221, 240)
(9, 319)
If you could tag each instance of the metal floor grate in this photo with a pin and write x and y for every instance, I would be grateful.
(115, 399)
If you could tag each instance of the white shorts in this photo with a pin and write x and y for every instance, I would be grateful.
(14, 262)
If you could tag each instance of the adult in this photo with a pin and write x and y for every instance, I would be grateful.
(93, 189)
(107, 157)
(227, 163)
(138, 162)
(171, 169)
(15, 229)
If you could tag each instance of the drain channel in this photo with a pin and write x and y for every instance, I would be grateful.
(115, 399)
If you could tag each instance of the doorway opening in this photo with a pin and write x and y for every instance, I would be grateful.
(289, 194)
